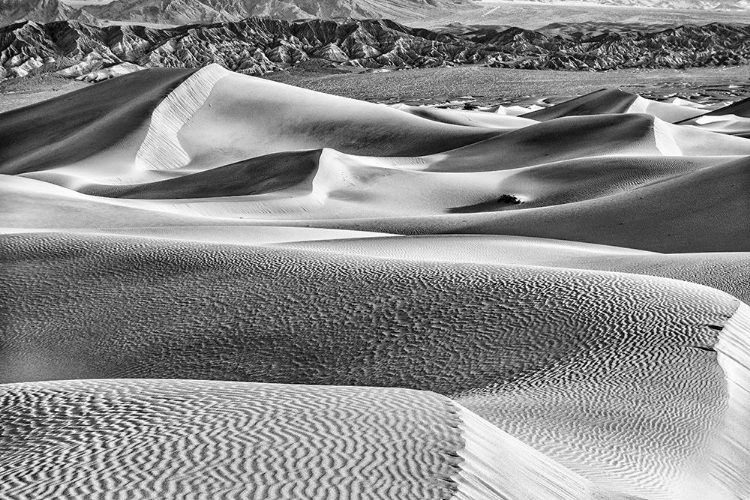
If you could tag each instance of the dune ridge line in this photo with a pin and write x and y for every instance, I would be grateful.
(161, 148)
(729, 465)
(498, 466)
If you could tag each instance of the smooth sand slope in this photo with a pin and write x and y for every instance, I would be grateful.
(566, 326)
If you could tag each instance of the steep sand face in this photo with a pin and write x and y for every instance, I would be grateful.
(730, 462)
(215, 226)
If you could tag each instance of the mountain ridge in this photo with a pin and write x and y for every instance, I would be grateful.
(180, 12)
(257, 46)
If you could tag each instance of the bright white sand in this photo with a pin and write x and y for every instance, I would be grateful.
(215, 226)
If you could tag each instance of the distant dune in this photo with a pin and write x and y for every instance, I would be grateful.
(218, 283)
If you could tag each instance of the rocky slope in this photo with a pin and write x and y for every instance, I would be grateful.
(257, 46)
(659, 4)
(178, 12)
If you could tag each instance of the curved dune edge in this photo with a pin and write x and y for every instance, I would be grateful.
(730, 464)
(161, 148)
(498, 466)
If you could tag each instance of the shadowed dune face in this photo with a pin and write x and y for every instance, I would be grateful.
(605, 101)
(264, 174)
(220, 227)
(75, 126)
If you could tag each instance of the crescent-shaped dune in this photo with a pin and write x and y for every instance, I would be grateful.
(213, 285)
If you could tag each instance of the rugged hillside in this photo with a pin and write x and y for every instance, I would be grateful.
(177, 12)
(43, 11)
(257, 46)
(660, 4)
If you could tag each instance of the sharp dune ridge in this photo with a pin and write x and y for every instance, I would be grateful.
(217, 283)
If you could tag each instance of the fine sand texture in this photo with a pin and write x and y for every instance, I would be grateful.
(214, 285)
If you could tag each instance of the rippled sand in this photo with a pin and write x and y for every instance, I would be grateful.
(220, 285)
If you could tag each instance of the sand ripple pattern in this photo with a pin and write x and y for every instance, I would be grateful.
(139, 439)
(611, 375)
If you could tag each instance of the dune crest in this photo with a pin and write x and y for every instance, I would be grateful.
(161, 147)
(730, 463)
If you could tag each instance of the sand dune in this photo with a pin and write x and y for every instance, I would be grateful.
(502, 121)
(242, 233)
(614, 101)
(83, 123)
(245, 117)
(717, 270)
(521, 355)
(143, 438)
(159, 438)
(733, 120)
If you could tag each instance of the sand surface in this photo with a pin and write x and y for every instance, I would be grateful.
(220, 283)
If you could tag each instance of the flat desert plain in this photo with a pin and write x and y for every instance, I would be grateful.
(219, 286)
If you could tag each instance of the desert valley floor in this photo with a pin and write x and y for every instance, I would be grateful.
(219, 286)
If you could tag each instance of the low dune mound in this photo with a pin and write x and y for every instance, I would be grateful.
(496, 120)
(587, 136)
(615, 101)
(604, 101)
(581, 179)
(533, 350)
(583, 137)
(740, 109)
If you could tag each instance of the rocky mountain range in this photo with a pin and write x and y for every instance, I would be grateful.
(179, 12)
(657, 4)
(259, 45)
